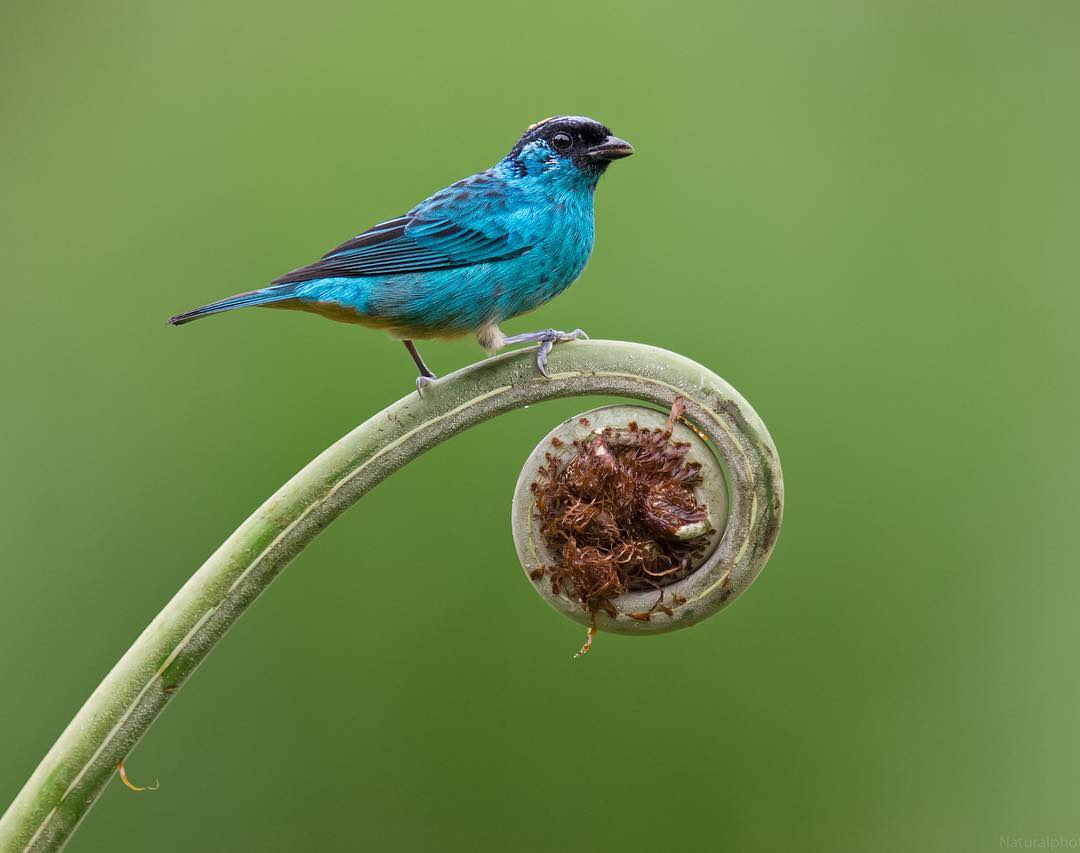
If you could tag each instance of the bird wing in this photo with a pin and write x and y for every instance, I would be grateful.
(413, 243)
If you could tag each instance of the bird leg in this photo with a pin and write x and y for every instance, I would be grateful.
(426, 377)
(547, 338)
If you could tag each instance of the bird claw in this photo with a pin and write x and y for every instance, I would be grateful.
(548, 339)
(422, 382)
(546, 346)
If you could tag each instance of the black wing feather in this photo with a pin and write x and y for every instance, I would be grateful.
(404, 245)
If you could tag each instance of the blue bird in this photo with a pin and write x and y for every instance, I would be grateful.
(468, 258)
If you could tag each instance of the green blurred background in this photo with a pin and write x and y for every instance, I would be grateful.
(863, 214)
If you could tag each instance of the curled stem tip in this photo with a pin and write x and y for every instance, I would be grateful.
(91, 750)
(132, 785)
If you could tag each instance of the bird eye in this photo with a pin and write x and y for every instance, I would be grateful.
(561, 141)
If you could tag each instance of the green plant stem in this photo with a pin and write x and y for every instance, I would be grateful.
(84, 759)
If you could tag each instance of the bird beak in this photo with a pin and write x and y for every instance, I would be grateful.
(611, 148)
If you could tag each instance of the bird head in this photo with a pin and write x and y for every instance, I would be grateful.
(573, 145)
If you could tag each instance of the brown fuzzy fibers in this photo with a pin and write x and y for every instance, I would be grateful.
(611, 513)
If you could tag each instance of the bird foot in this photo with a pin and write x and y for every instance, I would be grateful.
(422, 382)
(547, 344)
(547, 339)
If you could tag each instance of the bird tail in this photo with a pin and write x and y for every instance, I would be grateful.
(265, 296)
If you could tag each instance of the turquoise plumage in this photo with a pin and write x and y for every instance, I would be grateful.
(473, 255)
